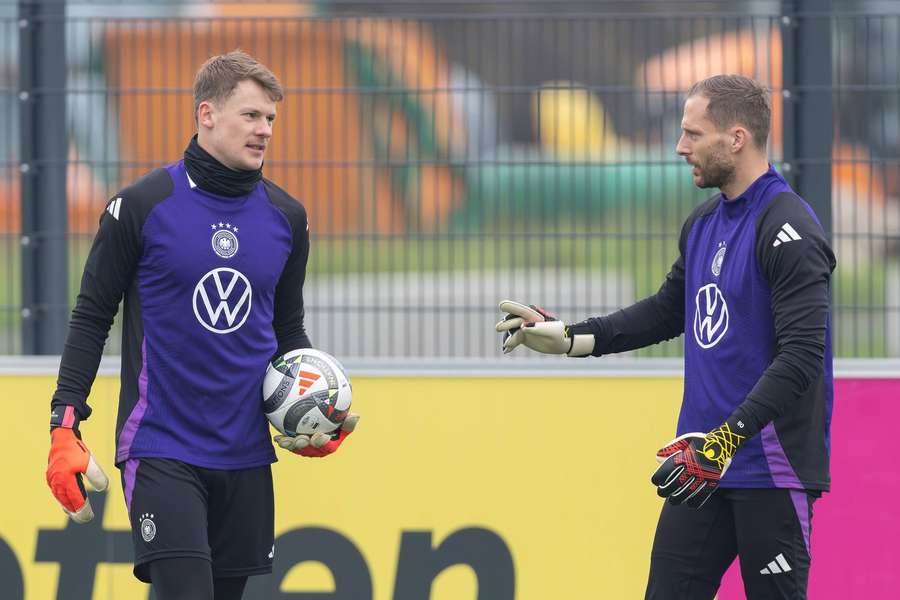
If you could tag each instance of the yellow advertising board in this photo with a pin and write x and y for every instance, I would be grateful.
(451, 489)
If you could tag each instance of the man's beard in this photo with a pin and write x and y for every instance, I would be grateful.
(717, 172)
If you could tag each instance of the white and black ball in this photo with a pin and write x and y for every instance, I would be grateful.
(306, 391)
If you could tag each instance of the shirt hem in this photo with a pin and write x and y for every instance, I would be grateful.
(823, 486)
(202, 462)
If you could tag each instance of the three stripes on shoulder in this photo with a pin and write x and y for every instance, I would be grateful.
(113, 208)
(786, 234)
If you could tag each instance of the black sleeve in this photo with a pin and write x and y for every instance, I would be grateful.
(655, 319)
(288, 318)
(108, 272)
(797, 262)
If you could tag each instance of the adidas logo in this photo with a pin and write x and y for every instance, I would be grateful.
(307, 379)
(114, 207)
(787, 234)
(779, 565)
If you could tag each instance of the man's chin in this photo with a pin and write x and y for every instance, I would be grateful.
(703, 183)
(252, 165)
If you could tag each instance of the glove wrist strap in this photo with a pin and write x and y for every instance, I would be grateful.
(721, 443)
(582, 345)
(64, 415)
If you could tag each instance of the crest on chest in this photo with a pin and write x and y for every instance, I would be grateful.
(224, 239)
(718, 259)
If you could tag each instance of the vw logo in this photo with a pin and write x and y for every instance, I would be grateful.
(710, 316)
(222, 300)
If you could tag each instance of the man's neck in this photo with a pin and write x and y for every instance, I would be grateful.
(203, 143)
(744, 177)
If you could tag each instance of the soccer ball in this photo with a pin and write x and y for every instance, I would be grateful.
(306, 391)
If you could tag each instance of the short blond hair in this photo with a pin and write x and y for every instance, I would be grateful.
(216, 80)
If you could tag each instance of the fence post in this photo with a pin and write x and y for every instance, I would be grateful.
(808, 102)
(44, 146)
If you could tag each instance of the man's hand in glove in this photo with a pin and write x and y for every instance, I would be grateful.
(541, 331)
(318, 444)
(69, 460)
(693, 464)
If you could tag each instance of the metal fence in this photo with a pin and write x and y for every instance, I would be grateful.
(451, 154)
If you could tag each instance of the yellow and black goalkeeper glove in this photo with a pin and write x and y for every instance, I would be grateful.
(692, 465)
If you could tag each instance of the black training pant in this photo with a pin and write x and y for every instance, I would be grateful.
(768, 529)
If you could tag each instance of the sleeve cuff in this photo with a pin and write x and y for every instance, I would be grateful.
(582, 345)
(64, 415)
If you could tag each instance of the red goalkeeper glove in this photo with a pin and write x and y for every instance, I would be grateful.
(318, 444)
(69, 460)
(693, 464)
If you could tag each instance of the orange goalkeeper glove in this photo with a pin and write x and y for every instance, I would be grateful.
(318, 444)
(70, 459)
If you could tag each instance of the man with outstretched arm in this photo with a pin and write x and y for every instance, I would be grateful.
(750, 291)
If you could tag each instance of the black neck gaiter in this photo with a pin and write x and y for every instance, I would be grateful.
(214, 177)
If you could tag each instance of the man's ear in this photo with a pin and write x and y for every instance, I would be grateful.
(740, 137)
(205, 111)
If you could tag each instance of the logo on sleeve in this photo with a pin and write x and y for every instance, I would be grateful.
(222, 300)
(786, 234)
(113, 207)
(710, 316)
(224, 239)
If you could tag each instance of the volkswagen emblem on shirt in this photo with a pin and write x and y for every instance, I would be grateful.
(710, 316)
(224, 240)
(222, 300)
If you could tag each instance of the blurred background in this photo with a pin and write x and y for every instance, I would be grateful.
(454, 153)
(451, 154)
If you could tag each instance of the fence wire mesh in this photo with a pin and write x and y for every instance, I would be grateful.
(452, 154)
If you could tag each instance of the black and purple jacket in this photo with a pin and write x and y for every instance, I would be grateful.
(750, 291)
(213, 290)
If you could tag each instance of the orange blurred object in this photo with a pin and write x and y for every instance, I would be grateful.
(856, 180)
(753, 53)
(322, 151)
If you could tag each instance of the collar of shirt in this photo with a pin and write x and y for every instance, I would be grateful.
(757, 188)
